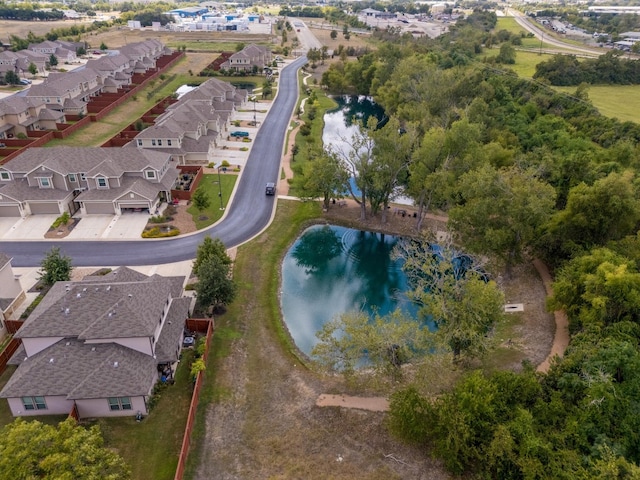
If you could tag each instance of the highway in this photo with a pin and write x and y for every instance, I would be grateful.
(542, 35)
(249, 214)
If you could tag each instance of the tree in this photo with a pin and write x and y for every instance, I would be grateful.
(393, 150)
(81, 50)
(31, 449)
(53, 60)
(333, 34)
(454, 292)
(323, 176)
(383, 344)
(267, 89)
(507, 54)
(55, 267)
(211, 248)
(595, 214)
(501, 212)
(103, 46)
(215, 286)
(200, 199)
(33, 69)
(11, 77)
(357, 159)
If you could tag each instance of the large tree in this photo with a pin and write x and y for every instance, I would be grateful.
(30, 450)
(211, 248)
(394, 145)
(454, 292)
(383, 343)
(323, 176)
(215, 285)
(55, 267)
(501, 212)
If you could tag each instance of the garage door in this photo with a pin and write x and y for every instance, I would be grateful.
(100, 208)
(128, 207)
(42, 208)
(9, 211)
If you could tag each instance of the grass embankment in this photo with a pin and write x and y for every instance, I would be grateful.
(213, 212)
(616, 101)
(307, 144)
(256, 269)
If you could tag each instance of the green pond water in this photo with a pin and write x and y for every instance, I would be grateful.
(332, 270)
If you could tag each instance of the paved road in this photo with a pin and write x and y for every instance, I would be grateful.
(250, 213)
(540, 33)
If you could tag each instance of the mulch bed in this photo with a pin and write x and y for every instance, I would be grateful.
(63, 230)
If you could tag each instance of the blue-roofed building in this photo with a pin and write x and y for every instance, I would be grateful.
(189, 12)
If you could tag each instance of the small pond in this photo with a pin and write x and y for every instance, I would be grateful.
(332, 270)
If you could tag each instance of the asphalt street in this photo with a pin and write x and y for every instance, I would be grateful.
(249, 214)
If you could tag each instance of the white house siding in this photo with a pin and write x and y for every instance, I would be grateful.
(99, 407)
(58, 405)
(35, 345)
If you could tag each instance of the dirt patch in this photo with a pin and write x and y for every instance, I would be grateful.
(63, 230)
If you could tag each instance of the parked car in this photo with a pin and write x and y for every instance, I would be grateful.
(270, 188)
(24, 81)
(239, 134)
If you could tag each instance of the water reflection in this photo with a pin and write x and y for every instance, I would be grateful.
(332, 270)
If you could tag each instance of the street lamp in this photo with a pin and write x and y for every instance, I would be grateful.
(255, 123)
(220, 187)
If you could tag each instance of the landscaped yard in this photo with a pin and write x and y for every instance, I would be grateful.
(210, 184)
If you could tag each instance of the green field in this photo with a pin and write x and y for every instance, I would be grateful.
(618, 101)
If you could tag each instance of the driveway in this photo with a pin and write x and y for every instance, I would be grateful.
(32, 227)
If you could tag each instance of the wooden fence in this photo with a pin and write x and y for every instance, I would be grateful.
(194, 325)
(7, 353)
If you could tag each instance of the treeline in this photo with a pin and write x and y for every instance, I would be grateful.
(28, 14)
(522, 170)
(610, 69)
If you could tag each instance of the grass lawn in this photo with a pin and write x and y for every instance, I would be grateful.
(212, 213)
(151, 447)
(616, 101)
(309, 143)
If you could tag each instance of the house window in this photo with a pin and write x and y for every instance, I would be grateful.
(102, 182)
(150, 174)
(5, 176)
(72, 177)
(44, 182)
(139, 142)
(119, 403)
(34, 403)
(159, 142)
(153, 142)
(83, 177)
(169, 142)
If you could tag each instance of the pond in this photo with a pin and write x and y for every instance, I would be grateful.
(332, 270)
(340, 126)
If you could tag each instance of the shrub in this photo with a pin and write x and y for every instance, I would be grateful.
(246, 140)
(158, 219)
(61, 220)
(225, 163)
(156, 232)
(244, 149)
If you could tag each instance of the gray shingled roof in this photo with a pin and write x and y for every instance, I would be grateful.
(4, 259)
(97, 311)
(74, 369)
(21, 191)
(171, 335)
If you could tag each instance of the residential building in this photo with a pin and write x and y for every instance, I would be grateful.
(250, 58)
(98, 346)
(93, 180)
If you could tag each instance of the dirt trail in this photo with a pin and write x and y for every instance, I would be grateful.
(561, 337)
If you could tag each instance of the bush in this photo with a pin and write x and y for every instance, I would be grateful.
(156, 232)
(158, 219)
(244, 149)
(225, 163)
(246, 140)
(61, 220)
